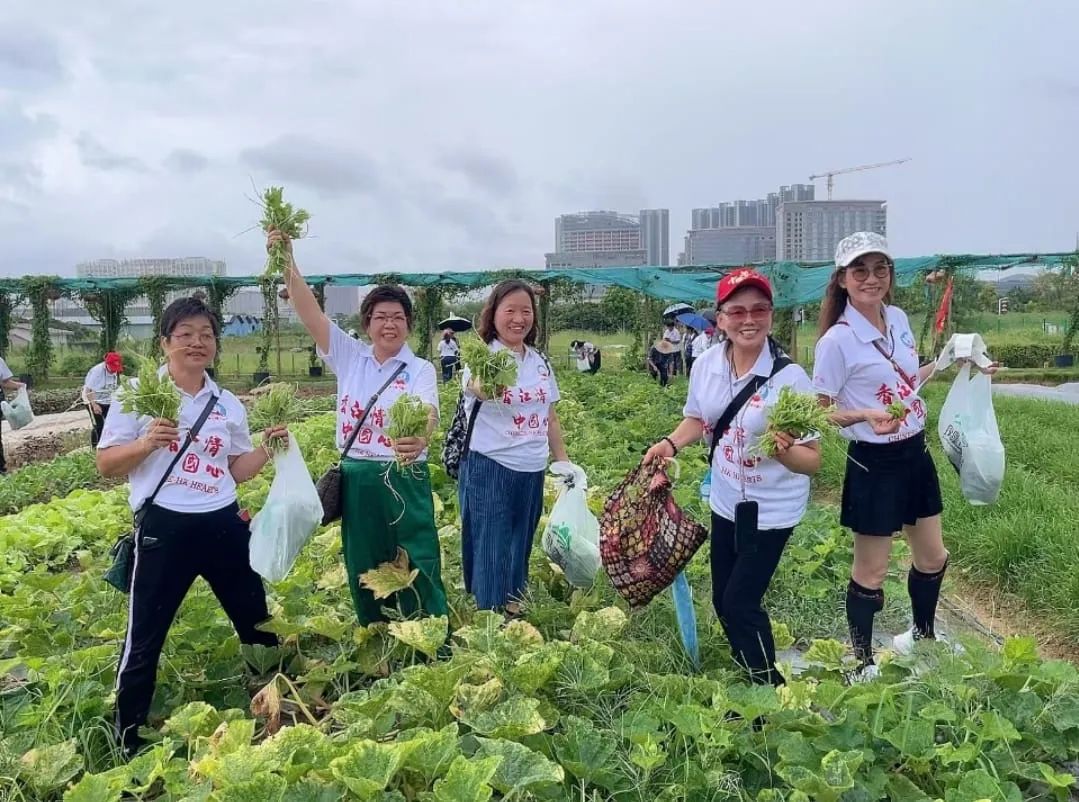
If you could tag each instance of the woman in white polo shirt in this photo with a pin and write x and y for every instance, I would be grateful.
(865, 360)
(98, 387)
(383, 507)
(449, 352)
(743, 566)
(194, 526)
(501, 476)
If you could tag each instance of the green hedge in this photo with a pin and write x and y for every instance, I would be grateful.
(1024, 356)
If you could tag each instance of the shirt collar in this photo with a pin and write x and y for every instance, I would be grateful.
(762, 367)
(404, 356)
(497, 345)
(208, 384)
(860, 325)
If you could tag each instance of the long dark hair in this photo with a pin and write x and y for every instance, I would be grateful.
(836, 297)
(486, 328)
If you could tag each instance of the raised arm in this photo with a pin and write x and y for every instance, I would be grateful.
(302, 297)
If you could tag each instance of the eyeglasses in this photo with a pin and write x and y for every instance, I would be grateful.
(860, 272)
(188, 337)
(382, 320)
(740, 313)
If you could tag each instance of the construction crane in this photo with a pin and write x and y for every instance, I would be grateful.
(832, 173)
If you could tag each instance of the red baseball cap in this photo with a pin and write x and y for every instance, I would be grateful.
(743, 277)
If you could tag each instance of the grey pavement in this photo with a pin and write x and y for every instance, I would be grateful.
(1068, 392)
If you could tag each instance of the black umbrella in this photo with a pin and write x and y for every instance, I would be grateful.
(454, 323)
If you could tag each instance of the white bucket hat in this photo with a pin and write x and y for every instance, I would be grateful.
(850, 248)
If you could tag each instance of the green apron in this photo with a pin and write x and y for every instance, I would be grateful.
(374, 522)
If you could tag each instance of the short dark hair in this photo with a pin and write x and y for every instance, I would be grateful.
(385, 293)
(184, 309)
(486, 328)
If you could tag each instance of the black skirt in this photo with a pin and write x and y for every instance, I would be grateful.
(888, 486)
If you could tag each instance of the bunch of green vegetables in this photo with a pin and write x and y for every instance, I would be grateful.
(897, 409)
(279, 406)
(279, 215)
(493, 371)
(797, 414)
(149, 393)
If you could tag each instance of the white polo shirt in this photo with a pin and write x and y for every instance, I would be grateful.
(701, 343)
(850, 369)
(672, 335)
(450, 348)
(201, 481)
(512, 429)
(359, 376)
(102, 383)
(781, 495)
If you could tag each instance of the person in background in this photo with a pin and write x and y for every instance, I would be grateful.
(778, 486)
(500, 488)
(194, 527)
(672, 335)
(449, 352)
(383, 509)
(588, 356)
(98, 389)
(659, 361)
(11, 385)
(865, 360)
(701, 343)
(687, 347)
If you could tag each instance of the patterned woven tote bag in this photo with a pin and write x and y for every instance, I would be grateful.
(645, 537)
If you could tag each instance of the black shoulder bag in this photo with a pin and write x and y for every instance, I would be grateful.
(329, 484)
(745, 512)
(122, 552)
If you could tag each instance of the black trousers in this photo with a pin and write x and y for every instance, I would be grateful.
(449, 364)
(739, 582)
(172, 549)
(3, 459)
(99, 424)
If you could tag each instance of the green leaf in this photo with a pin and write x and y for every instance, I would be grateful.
(603, 625)
(835, 776)
(752, 701)
(368, 767)
(193, 720)
(426, 635)
(295, 751)
(913, 737)
(520, 767)
(937, 711)
(94, 788)
(831, 654)
(994, 727)
(979, 785)
(647, 754)
(514, 718)
(313, 791)
(432, 751)
(534, 670)
(49, 768)
(901, 789)
(1020, 651)
(782, 636)
(390, 577)
(264, 659)
(1055, 779)
(587, 753)
(522, 636)
(263, 788)
(467, 780)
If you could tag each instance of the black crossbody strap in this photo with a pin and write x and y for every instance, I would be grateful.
(779, 362)
(192, 433)
(367, 409)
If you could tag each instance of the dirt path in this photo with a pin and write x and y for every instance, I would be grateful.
(1067, 393)
(45, 437)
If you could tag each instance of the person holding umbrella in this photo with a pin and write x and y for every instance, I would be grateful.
(449, 350)
(673, 336)
(694, 323)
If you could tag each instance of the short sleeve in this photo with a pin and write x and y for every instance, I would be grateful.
(829, 367)
(120, 428)
(344, 352)
(693, 408)
(5, 371)
(425, 385)
(239, 434)
(556, 394)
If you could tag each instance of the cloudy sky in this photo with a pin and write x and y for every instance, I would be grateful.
(448, 134)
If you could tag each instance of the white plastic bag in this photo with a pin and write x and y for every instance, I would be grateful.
(970, 438)
(18, 412)
(571, 539)
(290, 516)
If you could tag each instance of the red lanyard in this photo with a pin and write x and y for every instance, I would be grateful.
(902, 373)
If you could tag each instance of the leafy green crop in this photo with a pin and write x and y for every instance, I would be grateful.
(279, 215)
(152, 393)
(494, 371)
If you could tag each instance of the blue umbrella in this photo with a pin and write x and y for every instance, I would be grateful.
(694, 321)
(687, 617)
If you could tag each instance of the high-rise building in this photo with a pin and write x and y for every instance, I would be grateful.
(656, 236)
(729, 246)
(761, 212)
(134, 268)
(596, 231)
(810, 230)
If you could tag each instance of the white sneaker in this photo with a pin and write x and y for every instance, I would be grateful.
(866, 673)
(903, 643)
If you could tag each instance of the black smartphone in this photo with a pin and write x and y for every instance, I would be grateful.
(745, 527)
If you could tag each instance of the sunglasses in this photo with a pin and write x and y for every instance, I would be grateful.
(740, 313)
(860, 272)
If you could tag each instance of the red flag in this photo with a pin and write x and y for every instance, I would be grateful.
(942, 312)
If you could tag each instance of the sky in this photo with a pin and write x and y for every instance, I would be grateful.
(447, 135)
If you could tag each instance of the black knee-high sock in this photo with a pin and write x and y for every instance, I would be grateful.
(924, 592)
(862, 604)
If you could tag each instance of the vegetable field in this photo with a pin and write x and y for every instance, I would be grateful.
(577, 701)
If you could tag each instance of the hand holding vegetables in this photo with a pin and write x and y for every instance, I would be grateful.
(882, 421)
(491, 371)
(160, 434)
(275, 440)
(150, 394)
(288, 224)
(274, 411)
(407, 429)
(794, 416)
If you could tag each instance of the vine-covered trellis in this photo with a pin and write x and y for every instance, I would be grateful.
(107, 306)
(155, 289)
(40, 290)
(270, 326)
(8, 302)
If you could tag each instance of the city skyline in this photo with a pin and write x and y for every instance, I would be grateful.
(455, 150)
